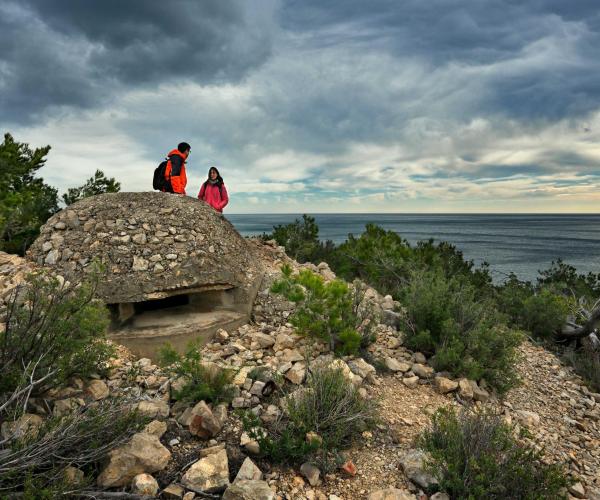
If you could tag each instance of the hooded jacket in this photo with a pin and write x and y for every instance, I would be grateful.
(175, 171)
(214, 194)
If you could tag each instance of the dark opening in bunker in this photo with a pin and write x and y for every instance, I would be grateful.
(171, 308)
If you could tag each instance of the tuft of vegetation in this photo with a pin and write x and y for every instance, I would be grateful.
(465, 334)
(26, 202)
(586, 362)
(301, 240)
(53, 331)
(204, 381)
(34, 465)
(473, 454)
(330, 406)
(328, 311)
(98, 184)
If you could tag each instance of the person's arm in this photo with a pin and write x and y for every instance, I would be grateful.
(224, 197)
(177, 174)
(202, 191)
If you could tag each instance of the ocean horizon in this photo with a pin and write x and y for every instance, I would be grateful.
(521, 243)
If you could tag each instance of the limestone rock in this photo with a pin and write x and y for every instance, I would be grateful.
(203, 423)
(209, 474)
(27, 424)
(411, 382)
(153, 409)
(249, 490)
(248, 472)
(144, 484)
(311, 473)
(413, 465)
(577, 490)
(391, 494)
(173, 491)
(444, 385)
(97, 389)
(156, 428)
(296, 373)
(263, 340)
(396, 366)
(465, 389)
(143, 453)
(422, 371)
(73, 475)
(361, 368)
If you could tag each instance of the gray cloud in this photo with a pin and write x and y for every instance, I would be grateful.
(68, 52)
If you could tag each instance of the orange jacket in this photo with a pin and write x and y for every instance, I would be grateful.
(175, 171)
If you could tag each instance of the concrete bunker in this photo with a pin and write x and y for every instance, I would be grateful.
(173, 269)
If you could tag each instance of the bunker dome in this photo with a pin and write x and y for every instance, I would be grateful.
(172, 268)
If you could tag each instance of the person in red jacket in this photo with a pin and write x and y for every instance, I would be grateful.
(213, 190)
(175, 171)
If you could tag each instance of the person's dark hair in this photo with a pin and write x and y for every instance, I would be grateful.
(182, 147)
(219, 178)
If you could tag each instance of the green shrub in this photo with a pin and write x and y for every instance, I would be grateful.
(586, 362)
(53, 331)
(567, 280)
(544, 313)
(329, 311)
(465, 334)
(205, 381)
(301, 240)
(328, 405)
(474, 455)
(35, 464)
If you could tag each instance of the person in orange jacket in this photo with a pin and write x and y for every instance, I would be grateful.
(175, 171)
(213, 191)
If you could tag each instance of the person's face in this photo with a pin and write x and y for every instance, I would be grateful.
(213, 174)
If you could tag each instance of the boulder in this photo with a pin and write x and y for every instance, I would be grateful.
(144, 484)
(391, 494)
(97, 390)
(422, 371)
(361, 368)
(444, 385)
(311, 473)
(209, 474)
(203, 423)
(249, 490)
(143, 453)
(413, 465)
(153, 409)
(248, 472)
(296, 373)
(396, 366)
(27, 424)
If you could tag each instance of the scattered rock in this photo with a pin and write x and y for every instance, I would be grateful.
(391, 494)
(156, 428)
(27, 424)
(153, 409)
(311, 473)
(361, 368)
(396, 366)
(296, 373)
(465, 389)
(422, 371)
(248, 472)
(411, 382)
(173, 491)
(203, 423)
(529, 419)
(444, 385)
(97, 389)
(73, 475)
(577, 490)
(144, 484)
(249, 490)
(413, 465)
(209, 474)
(143, 453)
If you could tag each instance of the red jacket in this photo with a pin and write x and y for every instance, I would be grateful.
(211, 194)
(175, 171)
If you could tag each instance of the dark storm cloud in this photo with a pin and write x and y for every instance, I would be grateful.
(556, 41)
(56, 52)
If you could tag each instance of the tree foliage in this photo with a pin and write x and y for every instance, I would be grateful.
(98, 184)
(26, 202)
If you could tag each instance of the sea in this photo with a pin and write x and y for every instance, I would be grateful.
(519, 243)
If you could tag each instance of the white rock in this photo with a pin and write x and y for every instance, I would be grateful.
(209, 474)
(248, 472)
(144, 484)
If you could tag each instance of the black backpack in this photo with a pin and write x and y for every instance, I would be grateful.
(159, 182)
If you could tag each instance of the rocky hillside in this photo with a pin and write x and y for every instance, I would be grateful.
(202, 450)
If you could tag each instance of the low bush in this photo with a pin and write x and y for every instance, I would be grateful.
(34, 465)
(301, 240)
(53, 331)
(473, 454)
(329, 311)
(330, 406)
(465, 334)
(204, 381)
(586, 362)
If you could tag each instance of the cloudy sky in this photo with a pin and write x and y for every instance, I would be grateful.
(316, 106)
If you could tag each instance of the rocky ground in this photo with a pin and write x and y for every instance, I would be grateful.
(202, 450)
